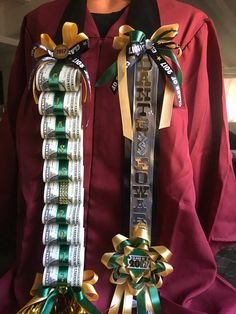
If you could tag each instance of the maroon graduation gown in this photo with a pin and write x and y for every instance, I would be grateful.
(196, 185)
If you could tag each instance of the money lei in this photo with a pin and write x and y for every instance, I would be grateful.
(64, 287)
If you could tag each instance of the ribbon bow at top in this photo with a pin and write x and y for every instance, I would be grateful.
(68, 52)
(73, 43)
(159, 47)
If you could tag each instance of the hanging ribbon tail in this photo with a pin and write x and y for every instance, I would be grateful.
(110, 73)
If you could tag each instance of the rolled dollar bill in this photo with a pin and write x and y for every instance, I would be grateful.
(62, 149)
(63, 234)
(67, 214)
(63, 275)
(61, 127)
(62, 255)
(64, 193)
(60, 103)
(62, 170)
(53, 76)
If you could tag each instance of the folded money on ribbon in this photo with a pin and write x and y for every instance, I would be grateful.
(76, 300)
(67, 53)
(137, 271)
(160, 47)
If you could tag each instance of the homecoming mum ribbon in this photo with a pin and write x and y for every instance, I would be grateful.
(133, 44)
(137, 271)
(67, 53)
(45, 298)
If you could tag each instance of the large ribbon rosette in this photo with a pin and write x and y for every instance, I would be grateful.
(160, 48)
(66, 53)
(72, 300)
(137, 271)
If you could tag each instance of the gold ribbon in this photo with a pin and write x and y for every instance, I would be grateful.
(120, 43)
(70, 37)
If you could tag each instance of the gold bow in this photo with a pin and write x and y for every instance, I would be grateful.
(70, 37)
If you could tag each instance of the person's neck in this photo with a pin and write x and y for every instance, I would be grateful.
(106, 6)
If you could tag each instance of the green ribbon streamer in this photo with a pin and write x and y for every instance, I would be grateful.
(53, 81)
(62, 234)
(155, 299)
(51, 298)
(63, 170)
(61, 214)
(62, 149)
(58, 103)
(60, 127)
(141, 304)
(64, 255)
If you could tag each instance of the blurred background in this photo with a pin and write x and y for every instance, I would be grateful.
(223, 13)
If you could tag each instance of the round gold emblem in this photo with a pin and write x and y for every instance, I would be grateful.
(60, 52)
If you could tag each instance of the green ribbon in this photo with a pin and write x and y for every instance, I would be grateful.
(60, 127)
(58, 103)
(62, 275)
(62, 149)
(158, 52)
(155, 299)
(62, 234)
(61, 214)
(63, 170)
(53, 81)
(64, 255)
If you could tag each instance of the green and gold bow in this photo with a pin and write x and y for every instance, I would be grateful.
(137, 270)
(78, 300)
(160, 47)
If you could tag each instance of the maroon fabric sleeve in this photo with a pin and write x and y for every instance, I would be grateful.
(214, 179)
(9, 172)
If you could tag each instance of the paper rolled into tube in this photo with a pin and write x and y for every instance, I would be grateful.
(60, 103)
(69, 78)
(67, 214)
(62, 149)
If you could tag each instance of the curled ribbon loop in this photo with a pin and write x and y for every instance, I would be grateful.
(69, 51)
(133, 44)
(44, 298)
(137, 271)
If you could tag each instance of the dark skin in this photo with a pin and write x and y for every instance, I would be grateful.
(106, 6)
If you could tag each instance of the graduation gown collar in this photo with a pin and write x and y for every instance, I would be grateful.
(140, 14)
